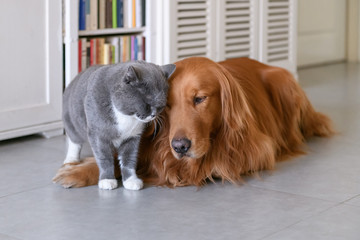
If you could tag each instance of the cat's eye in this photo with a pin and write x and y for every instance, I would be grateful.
(198, 100)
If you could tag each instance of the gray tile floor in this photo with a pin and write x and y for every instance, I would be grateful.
(316, 196)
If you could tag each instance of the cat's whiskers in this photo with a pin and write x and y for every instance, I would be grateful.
(158, 123)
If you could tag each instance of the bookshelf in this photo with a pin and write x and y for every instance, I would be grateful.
(111, 31)
(72, 11)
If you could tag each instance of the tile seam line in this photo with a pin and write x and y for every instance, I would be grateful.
(300, 195)
(10, 236)
(24, 191)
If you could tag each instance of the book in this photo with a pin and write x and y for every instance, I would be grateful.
(87, 16)
(102, 4)
(112, 52)
(121, 43)
(101, 42)
(79, 56)
(143, 48)
(106, 53)
(114, 13)
(83, 54)
(87, 55)
(132, 48)
(93, 14)
(139, 47)
(120, 14)
(98, 58)
(93, 52)
(115, 42)
(108, 14)
(82, 14)
(136, 48)
(127, 9)
(138, 17)
(143, 12)
(133, 14)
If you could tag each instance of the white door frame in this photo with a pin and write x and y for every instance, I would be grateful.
(353, 31)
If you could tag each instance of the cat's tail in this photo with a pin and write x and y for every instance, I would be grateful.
(82, 174)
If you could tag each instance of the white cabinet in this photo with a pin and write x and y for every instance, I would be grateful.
(31, 73)
(30, 67)
(264, 30)
(322, 31)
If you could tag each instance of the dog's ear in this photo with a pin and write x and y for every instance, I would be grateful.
(168, 69)
(235, 109)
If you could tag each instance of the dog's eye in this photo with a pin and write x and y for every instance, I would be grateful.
(198, 100)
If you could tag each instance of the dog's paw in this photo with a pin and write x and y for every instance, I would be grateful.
(133, 183)
(81, 174)
(108, 184)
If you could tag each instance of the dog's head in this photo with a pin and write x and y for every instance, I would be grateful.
(203, 101)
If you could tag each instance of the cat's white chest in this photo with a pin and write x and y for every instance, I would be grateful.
(127, 126)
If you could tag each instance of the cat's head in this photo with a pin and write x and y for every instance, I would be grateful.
(143, 90)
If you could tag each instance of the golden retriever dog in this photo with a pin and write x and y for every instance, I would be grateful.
(222, 120)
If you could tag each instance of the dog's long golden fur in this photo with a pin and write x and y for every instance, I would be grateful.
(239, 115)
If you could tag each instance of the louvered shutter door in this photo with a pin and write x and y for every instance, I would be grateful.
(189, 31)
(237, 29)
(278, 33)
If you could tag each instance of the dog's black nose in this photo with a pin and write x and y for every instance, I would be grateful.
(181, 145)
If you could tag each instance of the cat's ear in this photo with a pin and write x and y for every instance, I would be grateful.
(168, 69)
(130, 76)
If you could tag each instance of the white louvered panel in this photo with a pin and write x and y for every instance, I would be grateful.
(190, 29)
(236, 23)
(278, 12)
(278, 33)
(191, 37)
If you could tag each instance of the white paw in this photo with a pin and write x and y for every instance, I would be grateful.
(108, 184)
(71, 160)
(133, 183)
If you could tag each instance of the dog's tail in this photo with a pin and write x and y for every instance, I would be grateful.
(314, 123)
(82, 174)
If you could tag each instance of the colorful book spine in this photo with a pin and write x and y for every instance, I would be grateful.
(79, 56)
(138, 17)
(144, 48)
(114, 13)
(93, 14)
(101, 14)
(132, 48)
(139, 47)
(101, 51)
(110, 50)
(87, 16)
(143, 12)
(83, 54)
(120, 14)
(133, 13)
(82, 14)
(102, 7)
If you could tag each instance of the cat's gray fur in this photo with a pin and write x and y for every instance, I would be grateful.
(100, 105)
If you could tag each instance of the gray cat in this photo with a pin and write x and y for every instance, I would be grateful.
(109, 106)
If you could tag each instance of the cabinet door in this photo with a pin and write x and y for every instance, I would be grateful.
(237, 29)
(188, 29)
(322, 31)
(30, 66)
(278, 33)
